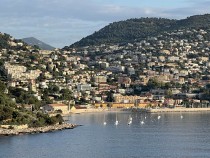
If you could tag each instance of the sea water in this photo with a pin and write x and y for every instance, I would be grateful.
(173, 135)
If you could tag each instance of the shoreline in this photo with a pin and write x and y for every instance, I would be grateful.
(160, 110)
(45, 129)
(93, 110)
(168, 110)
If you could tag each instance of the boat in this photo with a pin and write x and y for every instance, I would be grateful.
(104, 120)
(116, 122)
(142, 122)
(130, 120)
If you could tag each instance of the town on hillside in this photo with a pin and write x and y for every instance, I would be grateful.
(168, 70)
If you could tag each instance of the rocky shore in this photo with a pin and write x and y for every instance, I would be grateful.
(10, 132)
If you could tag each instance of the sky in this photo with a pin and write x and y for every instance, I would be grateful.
(63, 22)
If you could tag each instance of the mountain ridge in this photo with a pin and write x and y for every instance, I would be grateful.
(137, 29)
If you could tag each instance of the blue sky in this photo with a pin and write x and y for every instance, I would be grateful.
(63, 22)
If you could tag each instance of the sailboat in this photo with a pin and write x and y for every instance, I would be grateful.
(116, 122)
(142, 120)
(104, 120)
(130, 120)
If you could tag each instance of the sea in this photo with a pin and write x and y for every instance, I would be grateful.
(149, 135)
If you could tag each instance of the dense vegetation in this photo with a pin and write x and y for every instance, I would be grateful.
(138, 29)
(12, 114)
(4, 41)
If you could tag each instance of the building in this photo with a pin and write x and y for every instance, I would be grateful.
(126, 99)
(56, 107)
(84, 87)
(100, 79)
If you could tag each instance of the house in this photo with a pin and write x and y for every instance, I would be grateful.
(100, 79)
(55, 107)
(78, 109)
(83, 87)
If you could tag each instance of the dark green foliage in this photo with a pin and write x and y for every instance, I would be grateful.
(5, 113)
(66, 94)
(4, 41)
(9, 114)
(153, 84)
(53, 89)
(138, 29)
(59, 118)
(44, 120)
(22, 96)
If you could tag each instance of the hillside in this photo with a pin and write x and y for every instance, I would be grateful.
(137, 29)
(8, 42)
(33, 41)
(14, 100)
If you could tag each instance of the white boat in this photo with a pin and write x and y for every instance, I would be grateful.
(159, 117)
(116, 122)
(142, 122)
(130, 118)
(129, 122)
(104, 120)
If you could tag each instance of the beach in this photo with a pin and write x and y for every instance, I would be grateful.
(177, 110)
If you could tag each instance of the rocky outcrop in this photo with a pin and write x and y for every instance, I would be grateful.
(8, 132)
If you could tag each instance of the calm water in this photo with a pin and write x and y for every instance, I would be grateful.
(169, 137)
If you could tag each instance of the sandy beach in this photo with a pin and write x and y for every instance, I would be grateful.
(94, 110)
(178, 110)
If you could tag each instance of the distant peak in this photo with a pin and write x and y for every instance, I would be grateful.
(34, 41)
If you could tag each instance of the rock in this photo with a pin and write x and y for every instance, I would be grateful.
(9, 132)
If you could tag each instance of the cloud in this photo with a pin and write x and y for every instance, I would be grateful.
(62, 22)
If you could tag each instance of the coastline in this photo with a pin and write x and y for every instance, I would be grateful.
(164, 110)
(94, 110)
(160, 110)
(45, 129)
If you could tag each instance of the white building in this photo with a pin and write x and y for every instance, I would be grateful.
(84, 87)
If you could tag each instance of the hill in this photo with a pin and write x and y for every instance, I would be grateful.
(137, 29)
(33, 41)
(8, 42)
